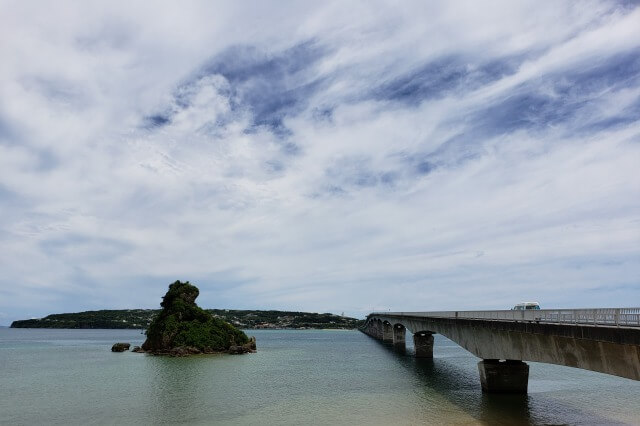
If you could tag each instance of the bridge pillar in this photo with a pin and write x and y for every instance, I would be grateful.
(503, 377)
(423, 342)
(398, 335)
(387, 332)
(372, 329)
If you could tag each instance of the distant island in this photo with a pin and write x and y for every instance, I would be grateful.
(141, 318)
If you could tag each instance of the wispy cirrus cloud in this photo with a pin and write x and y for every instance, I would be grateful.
(431, 157)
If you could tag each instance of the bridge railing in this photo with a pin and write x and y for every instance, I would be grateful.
(627, 317)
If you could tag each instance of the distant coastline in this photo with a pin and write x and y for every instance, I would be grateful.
(141, 318)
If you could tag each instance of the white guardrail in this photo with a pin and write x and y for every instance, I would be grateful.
(626, 317)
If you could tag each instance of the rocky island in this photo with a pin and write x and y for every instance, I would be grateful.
(183, 328)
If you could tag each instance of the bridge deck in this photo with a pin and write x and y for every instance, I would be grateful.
(616, 317)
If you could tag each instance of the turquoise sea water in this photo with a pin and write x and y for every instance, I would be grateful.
(296, 378)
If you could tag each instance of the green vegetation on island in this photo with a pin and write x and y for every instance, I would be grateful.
(141, 318)
(183, 327)
(127, 318)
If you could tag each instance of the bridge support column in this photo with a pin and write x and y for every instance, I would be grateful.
(387, 332)
(423, 342)
(372, 329)
(503, 377)
(398, 335)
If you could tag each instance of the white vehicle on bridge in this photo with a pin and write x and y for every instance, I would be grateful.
(525, 306)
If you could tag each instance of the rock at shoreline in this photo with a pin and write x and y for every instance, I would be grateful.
(249, 347)
(236, 349)
(137, 349)
(184, 351)
(120, 347)
(182, 328)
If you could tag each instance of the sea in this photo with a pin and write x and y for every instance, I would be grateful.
(297, 377)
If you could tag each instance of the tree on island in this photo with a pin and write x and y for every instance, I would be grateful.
(183, 328)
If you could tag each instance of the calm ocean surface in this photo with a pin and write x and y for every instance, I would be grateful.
(296, 378)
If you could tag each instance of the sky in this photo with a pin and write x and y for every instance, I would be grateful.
(319, 156)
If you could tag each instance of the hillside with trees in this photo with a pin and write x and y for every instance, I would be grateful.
(141, 318)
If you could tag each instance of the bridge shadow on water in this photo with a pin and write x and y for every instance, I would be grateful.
(454, 379)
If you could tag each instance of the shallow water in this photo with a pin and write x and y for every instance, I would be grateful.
(297, 377)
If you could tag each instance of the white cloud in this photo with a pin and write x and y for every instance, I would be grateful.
(435, 156)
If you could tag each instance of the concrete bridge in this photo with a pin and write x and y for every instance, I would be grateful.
(603, 340)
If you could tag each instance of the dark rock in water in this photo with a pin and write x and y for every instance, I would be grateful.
(237, 349)
(184, 351)
(249, 347)
(120, 347)
(182, 328)
(137, 349)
